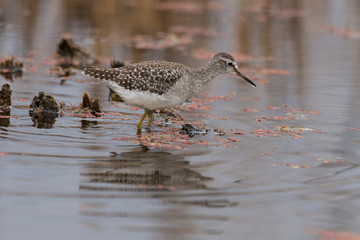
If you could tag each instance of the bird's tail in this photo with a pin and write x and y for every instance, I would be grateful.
(101, 73)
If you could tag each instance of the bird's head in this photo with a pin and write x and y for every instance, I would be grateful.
(225, 63)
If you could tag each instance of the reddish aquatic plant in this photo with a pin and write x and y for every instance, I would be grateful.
(328, 234)
(330, 160)
(3, 154)
(293, 132)
(289, 165)
(290, 113)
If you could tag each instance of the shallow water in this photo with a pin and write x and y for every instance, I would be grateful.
(78, 179)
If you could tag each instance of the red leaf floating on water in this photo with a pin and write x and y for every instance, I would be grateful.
(328, 234)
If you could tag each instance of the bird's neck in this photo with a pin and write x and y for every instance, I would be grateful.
(206, 74)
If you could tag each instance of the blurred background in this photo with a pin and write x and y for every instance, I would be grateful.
(290, 173)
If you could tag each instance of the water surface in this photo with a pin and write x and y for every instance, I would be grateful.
(76, 179)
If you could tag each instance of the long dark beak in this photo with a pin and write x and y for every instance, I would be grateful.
(244, 77)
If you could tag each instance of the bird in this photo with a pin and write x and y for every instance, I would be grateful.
(154, 84)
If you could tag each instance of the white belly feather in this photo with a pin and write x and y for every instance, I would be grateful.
(146, 100)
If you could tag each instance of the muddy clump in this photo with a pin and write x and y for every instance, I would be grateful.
(68, 55)
(44, 103)
(191, 131)
(63, 73)
(88, 103)
(5, 95)
(10, 68)
(44, 111)
(5, 103)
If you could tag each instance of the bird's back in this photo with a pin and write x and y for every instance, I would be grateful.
(155, 77)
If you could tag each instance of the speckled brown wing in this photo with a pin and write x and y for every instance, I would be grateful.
(101, 73)
(151, 76)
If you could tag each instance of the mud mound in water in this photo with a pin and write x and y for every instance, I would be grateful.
(5, 95)
(44, 103)
(10, 68)
(88, 103)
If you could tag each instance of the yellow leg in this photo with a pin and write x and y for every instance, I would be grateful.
(139, 125)
(151, 117)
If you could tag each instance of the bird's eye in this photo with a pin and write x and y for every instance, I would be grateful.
(229, 64)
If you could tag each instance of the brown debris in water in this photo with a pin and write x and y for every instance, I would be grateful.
(69, 54)
(116, 64)
(10, 68)
(191, 131)
(5, 103)
(44, 111)
(94, 105)
(44, 103)
(5, 95)
(62, 72)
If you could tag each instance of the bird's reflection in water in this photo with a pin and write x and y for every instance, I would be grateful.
(141, 167)
(11, 75)
(162, 178)
(85, 124)
(5, 117)
(45, 121)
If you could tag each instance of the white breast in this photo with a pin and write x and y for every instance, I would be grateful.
(146, 100)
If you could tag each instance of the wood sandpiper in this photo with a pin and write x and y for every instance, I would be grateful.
(155, 85)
